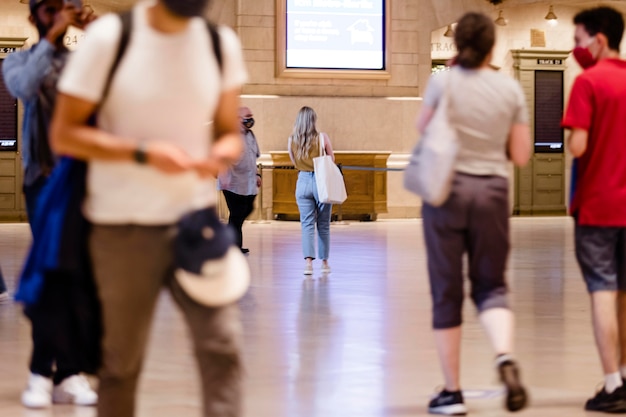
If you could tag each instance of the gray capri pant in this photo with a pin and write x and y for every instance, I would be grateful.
(474, 219)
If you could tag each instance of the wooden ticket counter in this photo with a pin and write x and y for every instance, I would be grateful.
(367, 189)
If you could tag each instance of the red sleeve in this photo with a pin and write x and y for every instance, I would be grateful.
(580, 107)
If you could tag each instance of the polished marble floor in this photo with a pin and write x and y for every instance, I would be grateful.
(357, 342)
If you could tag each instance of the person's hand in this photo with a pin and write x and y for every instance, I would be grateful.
(258, 181)
(87, 15)
(209, 168)
(228, 149)
(168, 158)
(68, 15)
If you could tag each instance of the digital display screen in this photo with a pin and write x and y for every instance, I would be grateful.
(336, 34)
(548, 111)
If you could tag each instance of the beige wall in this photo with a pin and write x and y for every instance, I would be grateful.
(382, 115)
(14, 20)
(358, 114)
(353, 123)
(257, 28)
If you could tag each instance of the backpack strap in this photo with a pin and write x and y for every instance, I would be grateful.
(217, 45)
(127, 26)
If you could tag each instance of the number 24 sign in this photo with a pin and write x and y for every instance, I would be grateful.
(73, 40)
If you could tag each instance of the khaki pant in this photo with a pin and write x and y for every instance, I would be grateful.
(131, 265)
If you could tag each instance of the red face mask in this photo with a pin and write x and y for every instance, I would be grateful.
(583, 57)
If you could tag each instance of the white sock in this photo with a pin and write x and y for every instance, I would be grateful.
(622, 371)
(498, 324)
(612, 382)
(500, 359)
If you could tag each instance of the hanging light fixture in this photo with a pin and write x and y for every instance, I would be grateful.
(551, 17)
(501, 21)
(449, 32)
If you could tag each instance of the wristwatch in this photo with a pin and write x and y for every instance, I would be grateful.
(139, 155)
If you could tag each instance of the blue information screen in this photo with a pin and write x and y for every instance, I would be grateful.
(336, 34)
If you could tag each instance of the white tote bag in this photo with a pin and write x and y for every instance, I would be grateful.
(331, 188)
(431, 167)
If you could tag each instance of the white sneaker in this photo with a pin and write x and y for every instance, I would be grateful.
(38, 392)
(74, 390)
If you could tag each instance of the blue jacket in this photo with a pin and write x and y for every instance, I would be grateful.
(31, 76)
(59, 259)
(56, 245)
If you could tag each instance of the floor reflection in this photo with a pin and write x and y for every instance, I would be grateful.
(357, 342)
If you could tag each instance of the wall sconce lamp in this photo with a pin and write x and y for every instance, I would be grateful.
(551, 17)
(501, 21)
(449, 32)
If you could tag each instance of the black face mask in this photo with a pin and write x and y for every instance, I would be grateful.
(248, 123)
(186, 8)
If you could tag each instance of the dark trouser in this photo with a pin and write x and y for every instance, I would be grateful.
(3, 285)
(475, 219)
(131, 265)
(50, 344)
(51, 338)
(240, 207)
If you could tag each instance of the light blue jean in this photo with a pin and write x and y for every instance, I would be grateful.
(312, 213)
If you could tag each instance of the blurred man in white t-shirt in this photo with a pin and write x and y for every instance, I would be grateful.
(151, 159)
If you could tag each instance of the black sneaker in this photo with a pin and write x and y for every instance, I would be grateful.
(516, 397)
(614, 402)
(448, 403)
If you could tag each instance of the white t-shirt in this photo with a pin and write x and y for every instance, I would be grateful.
(166, 88)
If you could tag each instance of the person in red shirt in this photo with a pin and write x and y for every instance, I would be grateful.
(595, 115)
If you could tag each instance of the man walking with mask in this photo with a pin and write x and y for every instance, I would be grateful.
(32, 76)
(595, 114)
(241, 183)
(150, 161)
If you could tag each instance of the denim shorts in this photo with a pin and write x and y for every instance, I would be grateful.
(601, 255)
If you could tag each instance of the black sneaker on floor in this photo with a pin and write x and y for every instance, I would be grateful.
(448, 403)
(614, 402)
(516, 397)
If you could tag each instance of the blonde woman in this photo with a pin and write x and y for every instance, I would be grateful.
(304, 145)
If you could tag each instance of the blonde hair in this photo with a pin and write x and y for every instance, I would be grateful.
(304, 133)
